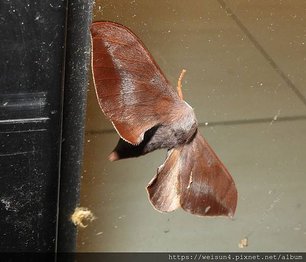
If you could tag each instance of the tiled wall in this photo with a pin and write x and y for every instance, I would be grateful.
(246, 67)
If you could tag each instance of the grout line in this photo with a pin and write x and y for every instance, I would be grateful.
(263, 52)
(100, 131)
(220, 123)
(253, 121)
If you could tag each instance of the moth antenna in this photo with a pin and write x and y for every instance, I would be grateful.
(179, 84)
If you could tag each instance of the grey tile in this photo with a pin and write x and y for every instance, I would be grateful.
(95, 120)
(280, 28)
(267, 162)
(227, 78)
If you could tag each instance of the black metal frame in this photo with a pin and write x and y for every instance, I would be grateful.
(44, 59)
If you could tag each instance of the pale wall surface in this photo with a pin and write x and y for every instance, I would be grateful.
(246, 63)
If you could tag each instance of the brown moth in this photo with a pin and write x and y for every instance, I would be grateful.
(148, 114)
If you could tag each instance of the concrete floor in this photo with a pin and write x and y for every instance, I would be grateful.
(246, 64)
